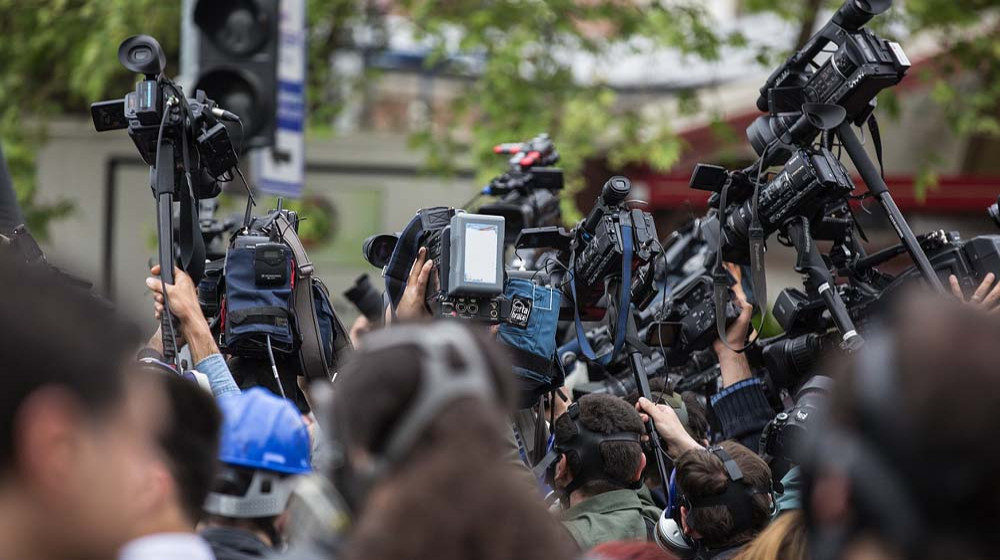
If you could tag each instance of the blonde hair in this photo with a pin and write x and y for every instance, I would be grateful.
(784, 539)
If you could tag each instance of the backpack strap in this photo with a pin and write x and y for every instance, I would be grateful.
(311, 354)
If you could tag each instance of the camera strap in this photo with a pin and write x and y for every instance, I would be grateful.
(624, 300)
(311, 353)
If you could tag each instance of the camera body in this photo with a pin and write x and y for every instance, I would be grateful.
(808, 182)
(782, 439)
(689, 324)
(528, 189)
(969, 260)
(468, 260)
(158, 111)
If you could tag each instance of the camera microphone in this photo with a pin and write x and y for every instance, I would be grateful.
(225, 115)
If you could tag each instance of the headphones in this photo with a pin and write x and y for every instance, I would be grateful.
(442, 382)
(737, 498)
(585, 444)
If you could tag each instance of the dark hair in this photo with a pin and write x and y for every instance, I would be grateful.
(697, 423)
(190, 442)
(605, 414)
(700, 473)
(56, 334)
(697, 415)
(456, 485)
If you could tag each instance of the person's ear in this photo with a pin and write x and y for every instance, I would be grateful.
(47, 442)
(563, 477)
(642, 467)
(684, 520)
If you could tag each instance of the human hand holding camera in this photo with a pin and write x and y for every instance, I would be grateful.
(734, 365)
(985, 298)
(183, 298)
(668, 426)
(412, 306)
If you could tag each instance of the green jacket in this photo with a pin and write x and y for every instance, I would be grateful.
(611, 516)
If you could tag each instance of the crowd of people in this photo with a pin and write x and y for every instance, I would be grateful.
(412, 451)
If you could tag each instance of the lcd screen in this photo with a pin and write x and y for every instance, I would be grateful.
(481, 253)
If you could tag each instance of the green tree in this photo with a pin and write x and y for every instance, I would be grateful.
(526, 84)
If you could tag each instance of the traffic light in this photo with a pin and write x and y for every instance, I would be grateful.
(237, 51)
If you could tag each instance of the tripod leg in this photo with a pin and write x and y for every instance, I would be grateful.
(877, 186)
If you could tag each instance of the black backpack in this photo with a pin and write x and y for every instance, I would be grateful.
(272, 299)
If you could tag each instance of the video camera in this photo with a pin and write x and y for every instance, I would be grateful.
(596, 251)
(782, 439)
(529, 189)
(803, 95)
(467, 250)
(158, 115)
(810, 180)
(172, 133)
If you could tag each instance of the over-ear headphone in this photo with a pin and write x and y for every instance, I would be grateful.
(737, 498)
(585, 445)
(442, 382)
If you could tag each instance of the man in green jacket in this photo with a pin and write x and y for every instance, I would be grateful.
(598, 471)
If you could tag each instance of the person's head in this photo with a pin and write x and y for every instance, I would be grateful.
(590, 466)
(264, 443)
(690, 410)
(717, 510)
(785, 538)
(434, 460)
(188, 445)
(76, 435)
(697, 424)
(906, 466)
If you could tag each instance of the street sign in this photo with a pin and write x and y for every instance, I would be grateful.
(280, 169)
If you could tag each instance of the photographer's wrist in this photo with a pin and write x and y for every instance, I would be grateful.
(734, 368)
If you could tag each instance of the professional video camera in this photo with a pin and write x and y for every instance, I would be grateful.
(803, 94)
(611, 243)
(529, 189)
(808, 182)
(187, 148)
(782, 438)
(467, 250)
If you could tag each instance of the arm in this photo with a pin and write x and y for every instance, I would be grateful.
(742, 406)
(668, 426)
(193, 328)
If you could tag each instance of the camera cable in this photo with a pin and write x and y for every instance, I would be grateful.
(274, 367)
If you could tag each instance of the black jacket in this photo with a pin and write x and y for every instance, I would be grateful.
(234, 544)
(743, 411)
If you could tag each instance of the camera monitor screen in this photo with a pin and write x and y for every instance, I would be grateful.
(481, 253)
(476, 255)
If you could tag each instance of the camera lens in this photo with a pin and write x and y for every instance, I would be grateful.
(378, 249)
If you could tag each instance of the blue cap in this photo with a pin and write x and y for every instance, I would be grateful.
(263, 431)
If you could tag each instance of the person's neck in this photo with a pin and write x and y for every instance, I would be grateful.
(577, 497)
(168, 519)
(261, 535)
(18, 537)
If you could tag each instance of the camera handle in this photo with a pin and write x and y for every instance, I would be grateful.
(163, 189)
(636, 350)
(811, 263)
(876, 185)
